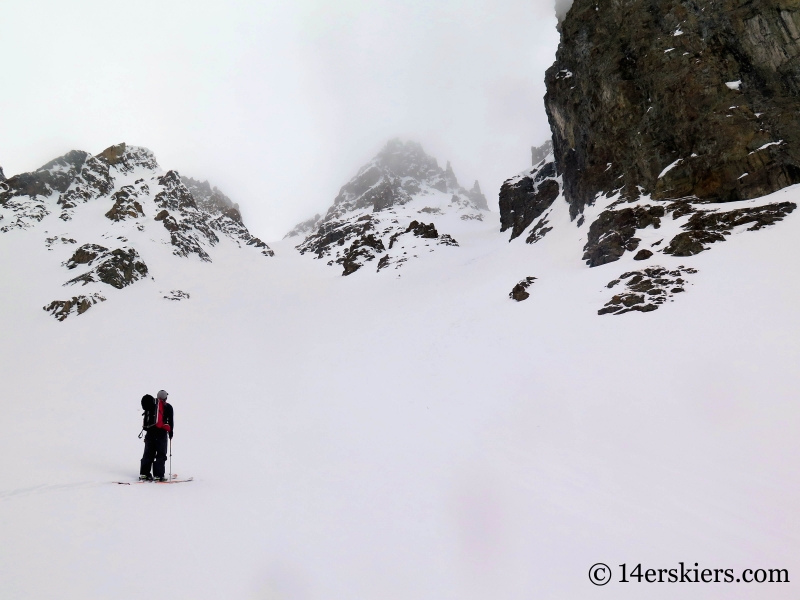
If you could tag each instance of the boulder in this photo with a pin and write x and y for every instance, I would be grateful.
(520, 291)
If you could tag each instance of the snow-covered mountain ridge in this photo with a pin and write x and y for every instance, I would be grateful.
(100, 214)
(393, 209)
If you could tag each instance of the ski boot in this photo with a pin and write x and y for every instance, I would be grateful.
(147, 477)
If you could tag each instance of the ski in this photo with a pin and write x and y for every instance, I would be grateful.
(174, 480)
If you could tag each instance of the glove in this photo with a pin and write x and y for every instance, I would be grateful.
(167, 428)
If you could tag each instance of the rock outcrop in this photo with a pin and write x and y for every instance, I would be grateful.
(709, 226)
(211, 199)
(676, 99)
(525, 197)
(118, 268)
(126, 202)
(614, 232)
(126, 158)
(645, 291)
(77, 305)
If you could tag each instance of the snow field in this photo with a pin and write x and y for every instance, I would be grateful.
(421, 437)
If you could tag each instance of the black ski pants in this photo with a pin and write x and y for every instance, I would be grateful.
(155, 454)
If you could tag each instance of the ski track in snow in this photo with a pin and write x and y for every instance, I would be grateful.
(42, 489)
(417, 437)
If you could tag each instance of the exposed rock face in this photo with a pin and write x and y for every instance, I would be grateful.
(126, 203)
(222, 214)
(539, 231)
(126, 158)
(520, 291)
(85, 255)
(613, 232)
(646, 290)
(676, 99)
(212, 199)
(668, 102)
(707, 227)
(376, 212)
(361, 250)
(71, 179)
(181, 217)
(118, 268)
(61, 309)
(345, 240)
(527, 196)
(422, 230)
(2, 175)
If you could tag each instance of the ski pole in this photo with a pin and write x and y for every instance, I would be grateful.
(170, 459)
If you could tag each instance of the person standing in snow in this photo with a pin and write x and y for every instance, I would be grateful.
(159, 423)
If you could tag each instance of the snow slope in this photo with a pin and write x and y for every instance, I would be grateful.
(417, 437)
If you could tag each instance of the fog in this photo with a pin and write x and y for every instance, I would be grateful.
(562, 8)
(278, 104)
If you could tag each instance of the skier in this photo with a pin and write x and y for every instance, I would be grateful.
(159, 424)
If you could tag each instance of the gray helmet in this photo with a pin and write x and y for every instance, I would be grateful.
(162, 395)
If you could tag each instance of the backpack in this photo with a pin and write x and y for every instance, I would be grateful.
(150, 414)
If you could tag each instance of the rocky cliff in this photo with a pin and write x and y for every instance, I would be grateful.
(666, 111)
(676, 99)
(674, 128)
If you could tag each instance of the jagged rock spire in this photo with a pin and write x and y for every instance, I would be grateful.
(450, 177)
(477, 196)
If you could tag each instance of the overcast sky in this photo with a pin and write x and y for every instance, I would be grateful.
(277, 103)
